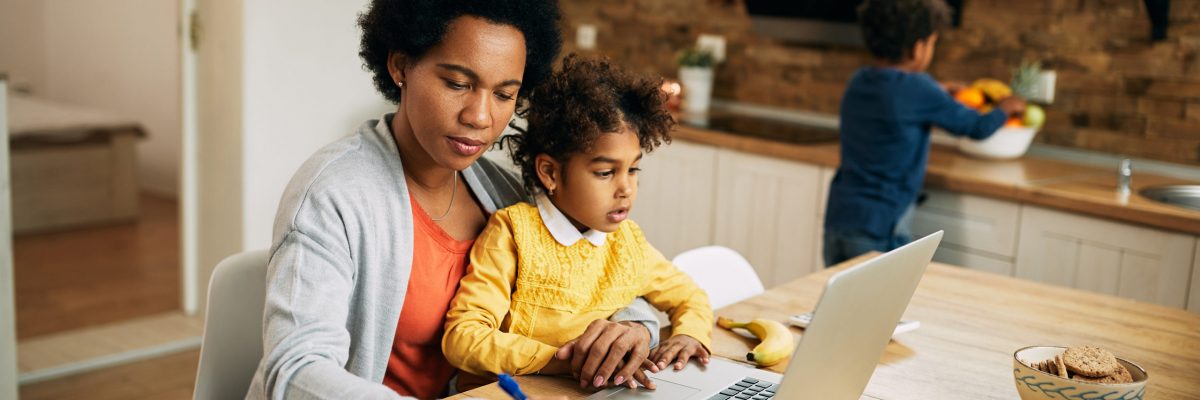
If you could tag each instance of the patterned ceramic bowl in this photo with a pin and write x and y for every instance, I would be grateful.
(1037, 385)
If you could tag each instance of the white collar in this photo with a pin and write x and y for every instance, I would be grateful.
(561, 228)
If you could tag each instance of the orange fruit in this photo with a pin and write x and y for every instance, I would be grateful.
(970, 97)
(1014, 121)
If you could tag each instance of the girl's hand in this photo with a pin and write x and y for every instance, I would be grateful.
(1013, 106)
(678, 350)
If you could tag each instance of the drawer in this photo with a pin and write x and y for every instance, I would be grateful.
(953, 255)
(972, 223)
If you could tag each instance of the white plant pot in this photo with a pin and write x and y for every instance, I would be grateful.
(697, 88)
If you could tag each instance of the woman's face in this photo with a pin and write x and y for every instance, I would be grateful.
(460, 95)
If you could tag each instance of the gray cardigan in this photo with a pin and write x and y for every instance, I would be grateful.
(339, 268)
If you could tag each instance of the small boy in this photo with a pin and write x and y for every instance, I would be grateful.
(886, 114)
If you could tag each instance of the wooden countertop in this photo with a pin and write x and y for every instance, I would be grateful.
(971, 323)
(1030, 180)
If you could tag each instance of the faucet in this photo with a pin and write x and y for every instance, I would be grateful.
(1124, 178)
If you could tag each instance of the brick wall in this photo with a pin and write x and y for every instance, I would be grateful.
(1116, 91)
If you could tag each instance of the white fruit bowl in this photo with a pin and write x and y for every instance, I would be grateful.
(1007, 143)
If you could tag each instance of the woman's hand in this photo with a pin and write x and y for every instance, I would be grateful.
(606, 346)
(678, 350)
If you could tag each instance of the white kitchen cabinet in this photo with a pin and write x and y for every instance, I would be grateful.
(767, 210)
(676, 196)
(1194, 296)
(1103, 256)
(827, 174)
(981, 233)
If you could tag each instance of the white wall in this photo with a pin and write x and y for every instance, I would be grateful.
(117, 55)
(121, 55)
(275, 81)
(22, 53)
(304, 88)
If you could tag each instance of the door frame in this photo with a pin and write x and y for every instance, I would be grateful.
(188, 182)
(8, 318)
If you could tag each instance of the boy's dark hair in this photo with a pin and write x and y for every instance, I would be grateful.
(587, 98)
(412, 27)
(891, 28)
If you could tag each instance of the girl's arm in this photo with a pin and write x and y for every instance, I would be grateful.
(473, 341)
(674, 292)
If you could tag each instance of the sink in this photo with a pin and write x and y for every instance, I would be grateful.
(1186, 196)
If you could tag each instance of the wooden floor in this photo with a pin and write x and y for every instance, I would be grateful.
(169, 377)
(93, 276)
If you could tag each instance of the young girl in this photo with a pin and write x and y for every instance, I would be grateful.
(541, 273)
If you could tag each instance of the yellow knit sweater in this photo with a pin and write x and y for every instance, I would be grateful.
(525, 294)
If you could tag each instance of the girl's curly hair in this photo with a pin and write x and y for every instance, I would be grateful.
(580, 102)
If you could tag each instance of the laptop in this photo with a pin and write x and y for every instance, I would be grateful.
(837, 354)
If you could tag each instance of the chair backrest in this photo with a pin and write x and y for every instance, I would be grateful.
(232, 343)
(722, 272)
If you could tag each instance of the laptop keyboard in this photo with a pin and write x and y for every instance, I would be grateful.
(747, 389)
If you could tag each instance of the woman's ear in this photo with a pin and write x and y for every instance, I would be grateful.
(548, 172)
(397, 61)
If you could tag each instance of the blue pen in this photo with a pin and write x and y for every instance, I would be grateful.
(510, 386)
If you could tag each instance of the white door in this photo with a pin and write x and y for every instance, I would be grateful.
(212, 155)
(271, 82)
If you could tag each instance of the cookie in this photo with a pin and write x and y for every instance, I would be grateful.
(1121, 375)
(1090, 361)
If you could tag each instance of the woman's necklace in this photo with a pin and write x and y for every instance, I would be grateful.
(453, 194)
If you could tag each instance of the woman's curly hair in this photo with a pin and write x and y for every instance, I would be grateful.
(585, 99)
(412, 27)
(891, 28)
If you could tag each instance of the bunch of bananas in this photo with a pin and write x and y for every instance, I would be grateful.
(776, 340)
(993, 89)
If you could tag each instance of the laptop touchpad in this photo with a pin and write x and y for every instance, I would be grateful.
(664, 391)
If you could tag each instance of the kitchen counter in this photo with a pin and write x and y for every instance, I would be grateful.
(1030, 180)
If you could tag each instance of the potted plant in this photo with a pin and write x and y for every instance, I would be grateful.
(696, 75)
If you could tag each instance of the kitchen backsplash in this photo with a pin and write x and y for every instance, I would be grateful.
(1116, 92)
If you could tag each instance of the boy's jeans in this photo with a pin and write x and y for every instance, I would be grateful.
(842, 246)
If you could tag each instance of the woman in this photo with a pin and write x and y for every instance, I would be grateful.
(371, 235)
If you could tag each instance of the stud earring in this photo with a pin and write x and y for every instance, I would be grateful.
(400, 84)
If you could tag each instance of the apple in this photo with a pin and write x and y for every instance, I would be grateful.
(1034, 116)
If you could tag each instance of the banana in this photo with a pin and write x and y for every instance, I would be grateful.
(994, 89)
(777, 344)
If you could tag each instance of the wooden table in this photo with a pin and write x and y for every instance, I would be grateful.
(971, 323)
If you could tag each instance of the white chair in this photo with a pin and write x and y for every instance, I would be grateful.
(232, 343)
(722, 272)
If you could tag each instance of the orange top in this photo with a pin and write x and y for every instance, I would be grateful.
(417, 367)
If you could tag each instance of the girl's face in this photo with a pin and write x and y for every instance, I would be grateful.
(596, 188)
(459, 96)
